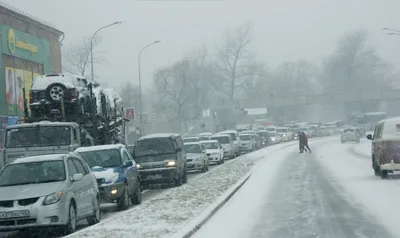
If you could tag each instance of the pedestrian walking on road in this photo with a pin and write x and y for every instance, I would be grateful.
(301, 142)
(306, 141)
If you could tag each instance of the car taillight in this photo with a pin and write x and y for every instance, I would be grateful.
(74, 94)
(30, 97)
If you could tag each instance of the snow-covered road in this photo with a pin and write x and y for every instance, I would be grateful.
(328, 193)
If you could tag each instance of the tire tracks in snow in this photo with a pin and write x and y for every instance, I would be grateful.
(305, 202)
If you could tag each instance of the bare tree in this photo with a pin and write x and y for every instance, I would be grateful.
(172, 90)
(77, 58)
(232, 61)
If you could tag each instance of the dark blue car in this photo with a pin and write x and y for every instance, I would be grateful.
(116, 173)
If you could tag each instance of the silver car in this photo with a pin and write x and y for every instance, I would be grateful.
(350, 134)
(196, 157)
(48, 191)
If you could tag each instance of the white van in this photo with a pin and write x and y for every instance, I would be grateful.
(236, 140)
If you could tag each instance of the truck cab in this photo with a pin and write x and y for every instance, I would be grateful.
(42, 138)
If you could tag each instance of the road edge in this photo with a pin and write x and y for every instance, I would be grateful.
(206, 215)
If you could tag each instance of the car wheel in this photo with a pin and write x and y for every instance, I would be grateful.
(185, 178)
(56, 91)
(70, 227)
(95, 218)
(179, 181)
(123, 201)
(137, 197)
(384, 174)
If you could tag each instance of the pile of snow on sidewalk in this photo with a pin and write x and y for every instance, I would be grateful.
(167, 213)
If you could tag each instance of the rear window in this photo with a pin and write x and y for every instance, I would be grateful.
(348, 130)
(244, 137)
(221, 139)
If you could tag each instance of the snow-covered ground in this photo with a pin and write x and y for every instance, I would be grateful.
(364, 148)
(169, 212)
(329, 193)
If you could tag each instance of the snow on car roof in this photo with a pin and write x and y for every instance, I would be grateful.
(42, 123)
(38, 158)
(99, 147)
(159, 135)
(228, 131)
(192, 143)
(245, 134)
(191, 137)
(205, 134)
(208, 141)
(220, 135)
(43, 81)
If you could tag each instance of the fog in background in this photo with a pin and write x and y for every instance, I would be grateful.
(285, 30)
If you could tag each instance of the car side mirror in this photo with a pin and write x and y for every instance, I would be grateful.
(178, 149)
(128, 163)
(369, 137)
(77, 177)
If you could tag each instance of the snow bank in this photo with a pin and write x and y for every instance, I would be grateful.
(169, 212)
(379, 197)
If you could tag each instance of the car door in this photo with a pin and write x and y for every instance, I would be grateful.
(76, 188)
(129, 171)
(85, 189)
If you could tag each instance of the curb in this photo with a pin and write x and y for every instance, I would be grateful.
(209, 213)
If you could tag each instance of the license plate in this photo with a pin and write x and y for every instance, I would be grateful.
(14, 214)
(152, 177)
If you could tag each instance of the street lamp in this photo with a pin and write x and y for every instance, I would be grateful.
(91, 43)
(140, 85)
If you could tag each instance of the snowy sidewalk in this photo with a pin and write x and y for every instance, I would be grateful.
(166, 214)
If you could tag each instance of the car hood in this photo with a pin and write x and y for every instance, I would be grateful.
(193, 155)
(110, 175)
(212, 151)
(28, 191)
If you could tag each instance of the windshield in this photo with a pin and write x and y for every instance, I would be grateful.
(272, 133)
(155, 146)
(187, 140)
(233, 135)
(245, 137)
(262, 134)
(221, 139)
(203, 138)
(32, 173)
(38, 136)
(195, 148)
(102, 158)
(348, 130)
(210, 145)
(283, 130)
(270, 129)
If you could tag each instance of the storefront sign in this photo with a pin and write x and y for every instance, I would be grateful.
(14, 43)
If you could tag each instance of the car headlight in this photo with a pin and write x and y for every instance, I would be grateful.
(138, 166)
(171, 163)
(52, 198)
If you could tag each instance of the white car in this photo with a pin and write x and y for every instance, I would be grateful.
(236, 139)
(350, 134)
(227, 144)
(214, 151)
(204, 136)
(247, 143)
(284, 133)
(196, 157)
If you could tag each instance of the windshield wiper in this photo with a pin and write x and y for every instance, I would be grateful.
(53, 139)
(20, 141)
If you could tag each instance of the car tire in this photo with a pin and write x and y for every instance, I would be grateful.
(123, 201)
(137, 196)
(179, 181)
(384, 174)
(185, 178)
(70, 227)
(95, 218)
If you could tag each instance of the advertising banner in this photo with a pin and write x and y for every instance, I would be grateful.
(12, 120)
(3, 126)
(16, 81)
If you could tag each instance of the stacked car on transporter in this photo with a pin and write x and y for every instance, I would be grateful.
(65, 112)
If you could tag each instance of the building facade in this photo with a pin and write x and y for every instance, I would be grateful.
(28, 47)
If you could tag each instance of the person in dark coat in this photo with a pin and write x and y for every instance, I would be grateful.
(306, 142)
(301, 142)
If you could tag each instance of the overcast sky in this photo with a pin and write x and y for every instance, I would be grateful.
(285, 30)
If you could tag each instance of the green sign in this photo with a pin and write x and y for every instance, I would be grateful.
(22, 45)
